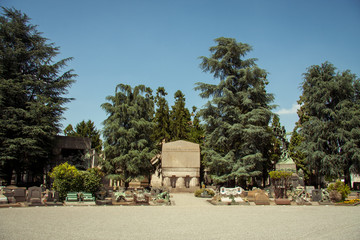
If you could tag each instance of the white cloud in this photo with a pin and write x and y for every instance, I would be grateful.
(292, 110)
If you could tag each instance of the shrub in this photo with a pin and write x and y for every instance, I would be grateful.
(91, 180)
(68, 179)
(340, 187)
(209, 192)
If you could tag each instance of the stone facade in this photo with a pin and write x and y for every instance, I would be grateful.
(180, 167)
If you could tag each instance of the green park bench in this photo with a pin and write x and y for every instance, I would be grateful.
(72, 197)
(87, 197)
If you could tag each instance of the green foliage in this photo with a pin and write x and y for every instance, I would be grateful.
(341, 188)
(199, 192)
(196, 134)
(32, 86)
(91, 179)
(237, 137)
(66, 178)
(280, 175)
(180, 118)
(162, 117)
(330, 121)
(127, 132)
(296, 154)
(279, 142)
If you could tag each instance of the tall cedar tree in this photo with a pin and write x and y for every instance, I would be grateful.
(180, 118)
(32, 86)
(162, 118)
(86, 129)
(127, 132)
(237, 137)
(331, 129)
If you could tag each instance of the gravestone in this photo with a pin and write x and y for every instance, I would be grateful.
(34, 196)
(308, 189)
(9, 194)
(262, 199)
(251, 194)
(295, 180)
(20, 194)
(316, 195)
(3, 199)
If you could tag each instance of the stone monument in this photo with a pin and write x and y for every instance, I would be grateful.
(180, 167)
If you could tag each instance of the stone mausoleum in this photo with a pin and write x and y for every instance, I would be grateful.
(180, 167)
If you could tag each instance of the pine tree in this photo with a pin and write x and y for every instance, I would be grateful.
(127, 132)
(237, 137)
(331, 128)
(88, 129)
(32, 86)
(179, 118)
(279, 142)
(162, 118)
(296, 154)
(196, 134)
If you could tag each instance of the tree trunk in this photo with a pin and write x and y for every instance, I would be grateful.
(347, 177)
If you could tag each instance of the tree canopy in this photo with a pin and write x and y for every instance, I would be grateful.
(127, 132)
(162, 118)
(237, 137)
(330, 121)
(32, 89)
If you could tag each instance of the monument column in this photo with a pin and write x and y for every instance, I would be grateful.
(167, 182)
(194, 182)
(180, 182)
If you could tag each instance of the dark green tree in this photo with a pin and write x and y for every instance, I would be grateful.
(237, 136)
(331, 128)
(127, 132)
(196, 134)
(279, 142)
(162, 118)
(86, 129)
(32, 86)
(295, 153)
(180, 118)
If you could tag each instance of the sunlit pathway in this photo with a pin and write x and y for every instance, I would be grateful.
(190, 218)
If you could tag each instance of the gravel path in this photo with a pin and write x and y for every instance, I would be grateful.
(190, 218)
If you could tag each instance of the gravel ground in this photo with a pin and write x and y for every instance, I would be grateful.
(189, 218)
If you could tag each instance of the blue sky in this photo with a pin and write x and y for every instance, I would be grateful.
(157, 43)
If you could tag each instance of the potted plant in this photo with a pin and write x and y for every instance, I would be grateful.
(280, 181)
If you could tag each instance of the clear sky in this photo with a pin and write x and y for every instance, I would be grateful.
(157, 43)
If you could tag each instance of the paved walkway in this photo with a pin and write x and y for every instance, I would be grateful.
(188, 200)
(190, 218)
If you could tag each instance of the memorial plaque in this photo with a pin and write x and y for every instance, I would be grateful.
(34, 196)
(20, 194)
(316, 195)
(261, 199)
